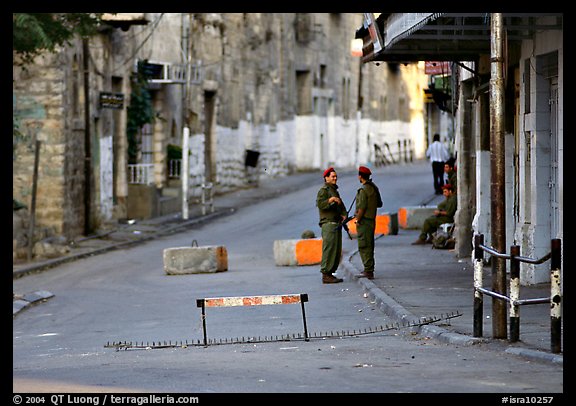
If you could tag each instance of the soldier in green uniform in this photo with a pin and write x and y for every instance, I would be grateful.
(332, 212)
(444, 214)
(450, 173)
(368, 200)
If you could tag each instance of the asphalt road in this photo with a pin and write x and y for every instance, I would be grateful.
(124, 295)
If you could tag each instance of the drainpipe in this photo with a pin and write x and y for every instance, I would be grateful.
(497, 160)
(359, 103)
(87, 141)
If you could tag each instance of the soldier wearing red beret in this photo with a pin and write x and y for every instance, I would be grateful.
(368, 200)
(332, 212)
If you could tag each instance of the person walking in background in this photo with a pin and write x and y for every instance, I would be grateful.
(438, 154)
(368, 200)
(443, 214)
(332, 213)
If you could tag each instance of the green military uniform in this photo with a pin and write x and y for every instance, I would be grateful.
(452, 179)
(432, 223)
(367, 198)
(330, 223)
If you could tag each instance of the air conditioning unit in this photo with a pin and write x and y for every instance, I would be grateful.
(164, 72)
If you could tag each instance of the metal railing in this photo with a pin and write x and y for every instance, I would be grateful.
(174, 168)
(142, 174)
(555, 298)
(383, 155)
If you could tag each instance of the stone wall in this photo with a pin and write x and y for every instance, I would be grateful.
(39, 104)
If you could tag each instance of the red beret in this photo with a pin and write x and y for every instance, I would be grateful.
(363, 169)
(327, 171)
(447, 186)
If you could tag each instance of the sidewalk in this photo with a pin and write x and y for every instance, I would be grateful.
(411, 281)
(415, 281)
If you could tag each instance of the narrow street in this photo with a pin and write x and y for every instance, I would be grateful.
(124, 295)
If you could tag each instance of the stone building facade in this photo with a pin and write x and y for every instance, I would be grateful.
(282, 86)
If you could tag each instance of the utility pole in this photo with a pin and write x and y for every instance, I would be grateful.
(33, 202)
(185, 168)
(497, 166)
(87, 140)
(184, 171)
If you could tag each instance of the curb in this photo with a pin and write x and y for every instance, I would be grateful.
(29, 299)
(543, 356)
(394, 310)
(62, 260)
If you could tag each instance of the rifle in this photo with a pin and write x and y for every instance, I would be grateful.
(345, 225)
(348, 218)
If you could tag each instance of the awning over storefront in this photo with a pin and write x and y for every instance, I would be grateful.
(409, 37)
(399, 26)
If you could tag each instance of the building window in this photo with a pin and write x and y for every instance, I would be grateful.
(147, 144)
(346, 98)
(303, 27)
(527, 97)
(304, 93)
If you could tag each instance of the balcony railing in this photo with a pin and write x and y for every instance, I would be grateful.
(141, 174)
(174, 168)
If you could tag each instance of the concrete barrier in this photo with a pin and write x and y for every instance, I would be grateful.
(190, 260)
(412, 217)
(386, 224)
(298, 252)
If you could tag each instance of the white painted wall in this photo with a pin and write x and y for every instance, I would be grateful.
(533, 229)
(106, 178)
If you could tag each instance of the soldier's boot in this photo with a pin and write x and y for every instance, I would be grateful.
(327, 278)
(367, 275)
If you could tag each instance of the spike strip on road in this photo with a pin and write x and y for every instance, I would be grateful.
(126, 345)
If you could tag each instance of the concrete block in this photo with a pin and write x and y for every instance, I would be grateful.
(386, 224)
(412, 217)
(190, 260)
(298, 252)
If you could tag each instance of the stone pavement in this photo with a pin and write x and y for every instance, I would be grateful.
(411, 281)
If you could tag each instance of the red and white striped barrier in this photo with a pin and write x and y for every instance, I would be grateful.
(251, 300)
(231, 301)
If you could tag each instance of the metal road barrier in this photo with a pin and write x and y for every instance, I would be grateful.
(251, 301)
(555, 299)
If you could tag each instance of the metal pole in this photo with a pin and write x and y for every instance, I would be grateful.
(33, 203)
(555, 298)
(304, 298)
(514, 294)
(202, 303)
(478, 298)
(184, 171)
(497, 162)
(87, 140)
